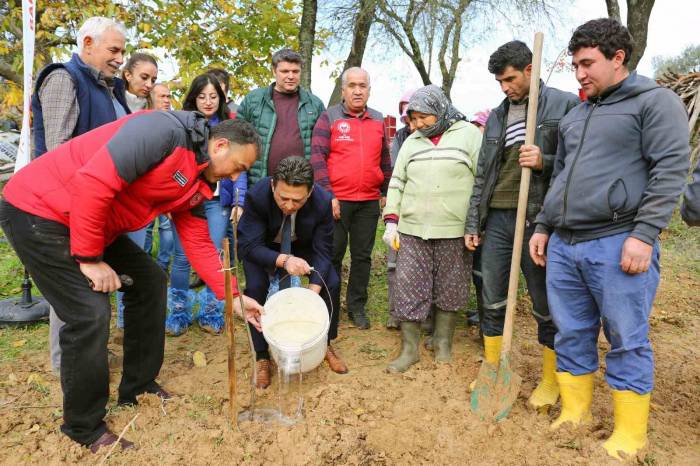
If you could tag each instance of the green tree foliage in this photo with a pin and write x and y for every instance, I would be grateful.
(686, 62)
(239, 36)
(57, 23)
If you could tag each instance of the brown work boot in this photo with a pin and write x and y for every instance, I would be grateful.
(107, 439)
(264, 376)
(334, 362)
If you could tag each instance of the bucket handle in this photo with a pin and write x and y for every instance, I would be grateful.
(324, 285)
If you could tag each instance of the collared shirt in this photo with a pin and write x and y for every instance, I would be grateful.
(60, 108)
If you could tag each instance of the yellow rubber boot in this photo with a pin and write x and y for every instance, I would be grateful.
(492, 352)
(576, 397)
(546, 393)
(631, 419)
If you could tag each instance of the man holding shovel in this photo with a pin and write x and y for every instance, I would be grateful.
(492, 210)
(619, 170)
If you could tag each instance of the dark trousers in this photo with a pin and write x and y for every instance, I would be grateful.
(43, 246)
(478, 282)
(358, 221)
(496, 253)
(257, 283)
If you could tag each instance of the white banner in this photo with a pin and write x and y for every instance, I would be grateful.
(28, 35)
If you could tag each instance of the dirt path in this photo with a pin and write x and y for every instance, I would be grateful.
(367, 416)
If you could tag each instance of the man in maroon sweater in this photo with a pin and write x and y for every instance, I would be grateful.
(350, 156)
(283, 113)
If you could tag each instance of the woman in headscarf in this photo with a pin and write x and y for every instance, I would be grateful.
(425, 217)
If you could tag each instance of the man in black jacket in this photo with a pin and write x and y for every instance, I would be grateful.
(690, 209)
(619, 170)
(287, 228)
(494, 201)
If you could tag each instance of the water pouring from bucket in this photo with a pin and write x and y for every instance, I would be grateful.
(295, 324)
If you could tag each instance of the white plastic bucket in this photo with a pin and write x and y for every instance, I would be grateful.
(295, 324)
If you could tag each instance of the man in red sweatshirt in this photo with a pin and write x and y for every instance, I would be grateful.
(350, 157)
(66, 215)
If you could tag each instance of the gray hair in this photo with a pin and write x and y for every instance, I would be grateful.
(354, 69)
(288, 55)
(295, 171)
(96, 26)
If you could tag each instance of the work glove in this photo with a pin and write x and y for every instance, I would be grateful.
(391, 236)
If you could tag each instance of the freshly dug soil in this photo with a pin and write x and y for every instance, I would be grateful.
(366, 417)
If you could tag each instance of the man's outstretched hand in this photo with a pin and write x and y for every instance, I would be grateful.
(253, 310)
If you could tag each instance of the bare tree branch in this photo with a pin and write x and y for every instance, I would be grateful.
(363, 23)
(8, 73)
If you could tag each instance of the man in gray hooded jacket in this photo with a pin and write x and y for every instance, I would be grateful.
(620, 168)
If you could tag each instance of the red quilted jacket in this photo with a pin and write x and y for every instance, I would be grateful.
(118, 178)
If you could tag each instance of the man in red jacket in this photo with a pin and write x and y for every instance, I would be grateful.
(66, 215)
(350, 156)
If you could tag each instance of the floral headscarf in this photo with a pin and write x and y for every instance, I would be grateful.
(433, 101)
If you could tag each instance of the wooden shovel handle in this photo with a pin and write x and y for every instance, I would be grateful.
(522, 197)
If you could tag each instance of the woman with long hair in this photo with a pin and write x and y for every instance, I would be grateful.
(140, 74)
(206, 97)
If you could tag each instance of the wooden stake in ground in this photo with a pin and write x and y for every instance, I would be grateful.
(230, 337)
(496, 389)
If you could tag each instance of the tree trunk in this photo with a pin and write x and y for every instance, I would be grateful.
(613, 9)
(363, 23)
(307, 36)
(638, 13)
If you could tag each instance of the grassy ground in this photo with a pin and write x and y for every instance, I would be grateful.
(680, 253)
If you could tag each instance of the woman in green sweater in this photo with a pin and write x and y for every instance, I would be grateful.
(425, 217)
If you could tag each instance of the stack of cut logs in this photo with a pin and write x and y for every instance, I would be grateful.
(687, 86)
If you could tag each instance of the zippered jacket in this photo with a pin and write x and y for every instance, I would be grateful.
(350, 154)
(258, 109)
(117, 178)
(552, 105)
(431, 184)
(621, 164)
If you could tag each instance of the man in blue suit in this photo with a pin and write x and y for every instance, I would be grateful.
(287, 228)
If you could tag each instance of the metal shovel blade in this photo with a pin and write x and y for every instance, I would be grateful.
(495, 390)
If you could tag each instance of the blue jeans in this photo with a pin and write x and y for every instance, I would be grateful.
(218, 219)
(165, 240)
(496, 254)
(587, 287)
(138, 237)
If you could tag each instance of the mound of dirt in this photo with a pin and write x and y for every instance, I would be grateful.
(366, 417)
